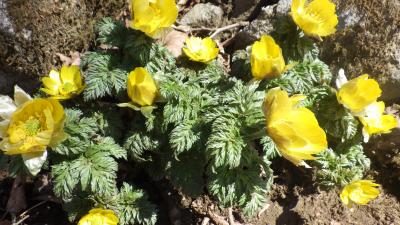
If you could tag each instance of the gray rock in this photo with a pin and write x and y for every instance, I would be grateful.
(243, 8)
(264, 24)
(8, 80)
(203, 15)
(5, 23)
(367, 41)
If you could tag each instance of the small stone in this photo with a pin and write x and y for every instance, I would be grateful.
(203, 15)
(264, 24)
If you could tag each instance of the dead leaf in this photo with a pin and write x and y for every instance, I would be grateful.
(73, 59)
(174, 42)
(17, 200)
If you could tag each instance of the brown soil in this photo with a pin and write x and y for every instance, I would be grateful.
(324, 207)
(42, 208)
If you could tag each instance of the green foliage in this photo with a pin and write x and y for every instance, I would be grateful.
(78, 129)
(337, 121)
(187, 172)
(93, 171)
(269, 148)
(341, 166)
(205, 132)
(132, 206)
(205, 118)
(17, 166)
(295, 45)
(245, 185)
(139, 143)
(78, 206)
(303, 77)
(86, 166)
(102, 75)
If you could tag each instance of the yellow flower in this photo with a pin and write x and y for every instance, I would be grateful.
(266, 58)
(201, 50)
(28, 126)
(64, 84)
(294, 129)
(359, 192)
(375, 122)
(358, 93)
(142, 88)
(36, 124)
(99, 216)
(152, 16)
(317, 18)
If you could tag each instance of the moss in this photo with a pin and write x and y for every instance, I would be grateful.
(43, 28)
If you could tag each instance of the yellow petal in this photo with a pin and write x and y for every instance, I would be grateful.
(359, 192)
(151, 17)
(33, 126)
(318, 18)
(201, 50)
(55, 75)
(294, 130)
(99, 217)
(51, 86)
(382, 124)
(63, 85)
(358, 93)
(142, 88)
(266, 58)
(69, 74)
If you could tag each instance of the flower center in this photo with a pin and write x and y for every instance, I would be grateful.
(32, 126)
(68, 88)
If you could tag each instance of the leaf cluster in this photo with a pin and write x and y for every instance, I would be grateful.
(85, 169)
(207, 132)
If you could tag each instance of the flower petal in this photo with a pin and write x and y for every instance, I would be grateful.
(358, 93)
(341, 79)
(34, 161)
(294, 130)
(7, 107)
(20, 96)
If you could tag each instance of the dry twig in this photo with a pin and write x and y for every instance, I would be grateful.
(221, 29)
(230, 216)
(219, 220)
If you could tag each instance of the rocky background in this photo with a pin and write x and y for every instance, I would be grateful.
(368, 41)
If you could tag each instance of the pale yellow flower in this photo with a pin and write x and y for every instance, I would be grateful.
(266, 58)
(317, 18)
(359, 93)
(99, 216)
(201, 50)
(359, 192)
(36, 124)
(142, 88)
(375, 122)
(360, 96)
(153, 16)
(294, 129)
(64, 84)
(28, 126)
